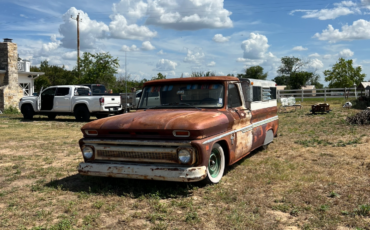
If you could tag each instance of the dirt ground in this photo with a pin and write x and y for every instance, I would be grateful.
(314, 176)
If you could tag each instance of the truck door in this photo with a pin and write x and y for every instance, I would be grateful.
(47, 99)
(39, 100)
(62, 99)
(242, 138)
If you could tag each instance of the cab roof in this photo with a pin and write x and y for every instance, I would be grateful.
(192, 79)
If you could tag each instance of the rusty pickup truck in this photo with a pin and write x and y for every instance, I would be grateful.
(184, 129)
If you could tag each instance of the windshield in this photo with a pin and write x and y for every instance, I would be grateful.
(183, 95)
(97, 89)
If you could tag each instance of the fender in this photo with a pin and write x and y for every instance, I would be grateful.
(28, 101)
(81, 102)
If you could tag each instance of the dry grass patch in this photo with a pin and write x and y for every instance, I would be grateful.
(314, 176)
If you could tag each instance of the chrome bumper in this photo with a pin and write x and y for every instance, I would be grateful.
(144, 171)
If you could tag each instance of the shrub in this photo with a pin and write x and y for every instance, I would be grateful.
(11, 110)
(361, 118)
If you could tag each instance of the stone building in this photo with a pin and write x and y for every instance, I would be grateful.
(16, 80)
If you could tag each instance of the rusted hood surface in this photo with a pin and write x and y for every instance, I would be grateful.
(164, 120)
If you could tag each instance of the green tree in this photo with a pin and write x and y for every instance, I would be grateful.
(343, 74)
(202, 74)
(54, 75)
(292, 75)
(255, 72)
(99, 68)
(159, 76)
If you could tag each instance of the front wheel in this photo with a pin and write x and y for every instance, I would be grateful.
(216, 165)
(27, 112)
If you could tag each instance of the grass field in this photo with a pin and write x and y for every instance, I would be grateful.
(314, 176)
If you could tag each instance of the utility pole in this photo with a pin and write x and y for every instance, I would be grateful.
(126, 80)
(78, 41)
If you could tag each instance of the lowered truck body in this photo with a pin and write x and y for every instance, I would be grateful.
(195, 128)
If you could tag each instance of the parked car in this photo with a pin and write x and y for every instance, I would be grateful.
(195, 128)
(70, 100)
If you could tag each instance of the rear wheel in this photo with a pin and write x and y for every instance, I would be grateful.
(82, 113)
(52, 116)
(216, 165)
(27, 112)
(100, 116)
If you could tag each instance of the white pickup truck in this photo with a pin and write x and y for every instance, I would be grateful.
(70, 100)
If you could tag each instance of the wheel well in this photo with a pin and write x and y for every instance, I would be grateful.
(225, 147)
(80, 105)
(24, 106)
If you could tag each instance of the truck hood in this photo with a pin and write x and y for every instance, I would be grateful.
(204, 122)
(29, 98)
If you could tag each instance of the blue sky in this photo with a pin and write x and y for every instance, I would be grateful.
(178, 37)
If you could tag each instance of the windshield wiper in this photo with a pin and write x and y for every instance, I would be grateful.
(189, 105)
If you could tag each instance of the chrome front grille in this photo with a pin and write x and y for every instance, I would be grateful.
(164, 154)
(137, 155)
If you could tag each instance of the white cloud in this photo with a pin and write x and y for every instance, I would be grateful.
(365, 4)
(49, 47)
(327, 56)
(346, 53)
(186, 74)
(315, 64)
(300, 48)
(147, 46)
(360, 29)
(90, 30)
(341, 9)
(241, 60)
(70, 55)
(188, 14)
(131, 10)
(255, 47)
(212, 63)
(166, 65)
(194, 56)
(219, 38)
(119, 28)
(129, 49)
(314, 55)
(23, 16)
(161, 52)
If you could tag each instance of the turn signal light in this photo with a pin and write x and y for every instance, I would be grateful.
(91, 132)
(180, 133)
(101, 100)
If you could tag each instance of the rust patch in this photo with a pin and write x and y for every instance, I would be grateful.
(263, 114)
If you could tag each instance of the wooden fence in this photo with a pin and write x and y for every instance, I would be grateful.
(318, 93)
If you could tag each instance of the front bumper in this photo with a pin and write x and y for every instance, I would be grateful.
(144, 171)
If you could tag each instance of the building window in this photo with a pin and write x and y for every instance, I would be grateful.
(26, 88)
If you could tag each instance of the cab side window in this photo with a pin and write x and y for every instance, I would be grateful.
(82, 92)
(233, 97)
(49, 92)
(62, 92)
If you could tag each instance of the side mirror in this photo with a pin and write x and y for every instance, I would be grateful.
(76, 94)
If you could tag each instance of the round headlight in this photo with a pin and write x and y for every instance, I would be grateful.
(88, 152)
(184, 156)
